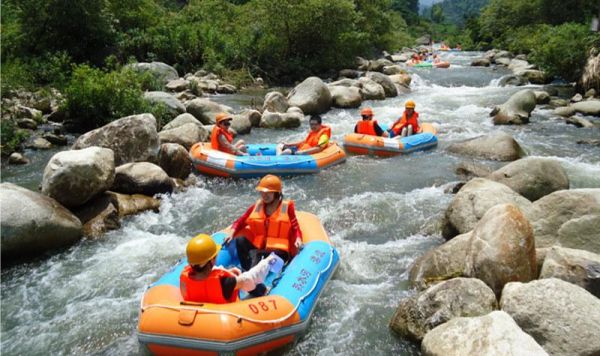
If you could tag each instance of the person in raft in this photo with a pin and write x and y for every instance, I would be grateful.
(368, 126)
(221, 138)
(270, 225)
(201, 281)
(408, 124)
(316, 141)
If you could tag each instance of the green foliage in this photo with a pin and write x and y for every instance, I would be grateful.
(95, 97)
(11, 136)
(456, 12)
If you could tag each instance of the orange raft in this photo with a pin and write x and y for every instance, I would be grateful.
(262, 160)
(170, 326)
(382, 146)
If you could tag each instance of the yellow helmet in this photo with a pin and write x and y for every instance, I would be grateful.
(201, 249)
(410, 104)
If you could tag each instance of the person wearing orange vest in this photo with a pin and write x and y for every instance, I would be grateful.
(316, 141)
(221, 137)
(270, 225)
(368, 126)
(203, 282)
(408, 123)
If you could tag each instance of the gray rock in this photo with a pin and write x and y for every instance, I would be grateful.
(275, 102)
(441, 263)
(133, 204)
(395, 69)
(30, 124)
(562, 317)
(502, 61)
(457, 297)
(98, 216)
(312, 96)
(579, 122)
(29, 113)
(38, 143)
(185, 135)
(345, 83)
(388, 86)
(172, 105)
(492, 334)
(206, 110)
(132, 139)
(241, 124)
(541, 97)
(499, 147)
(522, 57)
(564, 111)
(378, 65)
(589, 142)
(469, 170)
(58, 140)
(175, 160)
(17, 158)
(517, 65)
(587, 107)
(480, 62)
(178, 85)
(557, 102)
(371, 90)
(275, 120)
(574, 266)
(577, 98)
(532, 177)
(32, 223)
(503, 54)
(361, 63)
(141, 178)
(515, 80)
(181, 120)
(253, 115)
(74, 177)
(472, 202)
(533, 76)
(516, 110)
(345, 97)
(502, 248)
(401, 79)
(569, 218)
(349, 73)
(226, 89)
(590, 93)
(164, 73)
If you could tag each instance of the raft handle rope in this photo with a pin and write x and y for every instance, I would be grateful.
(242, 317)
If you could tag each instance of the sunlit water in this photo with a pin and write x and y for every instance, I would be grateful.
(380, 213)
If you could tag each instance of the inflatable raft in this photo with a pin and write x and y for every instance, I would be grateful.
(385, 147)
(431, 65)
(261, 161)
(170, 326)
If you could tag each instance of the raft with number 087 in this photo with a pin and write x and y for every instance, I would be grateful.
(168, 325)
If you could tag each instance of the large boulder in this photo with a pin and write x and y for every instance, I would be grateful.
(512, 79)
(206, 110)
(32, 223)
(370, 90)
(253, 116)
(162, 72)
(401, 79)
(441, 263)
(534, 76)
(502, 248)
(132, 139)
(388, 86)
(457, 297)
(241, 124)
(568, 218)
(562, 317)
(172, 105)
(349, 73)
(480, 62)
(492, 334)
(518, 65)
(473, 201)
(74, 177)
(181, 120)
(516, 110)
(574, 266)
(499, 147)
(275, 102)
(394, 69)
(312, 96)
(133, 204)
(274, 120)
(185, 135)
(377, 65)
(532, 177)
(98, 216)
(141, 178)
(178, 85)
(345, 97)
(175, 160)
(587, 107)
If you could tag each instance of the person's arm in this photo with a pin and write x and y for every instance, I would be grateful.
(295, 232)
(378, 129)
(356, 128)
(224, 143)
(247, 281)
(323, 142)
(240, 223)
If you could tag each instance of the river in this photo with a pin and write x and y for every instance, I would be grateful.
(381, 215)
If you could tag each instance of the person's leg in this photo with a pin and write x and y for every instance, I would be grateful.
(256, 256)
(410, 130)
(241, 145)
(283, 255)
(404, 132)
(245, 250)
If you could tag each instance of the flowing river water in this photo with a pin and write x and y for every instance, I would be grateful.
(381, 214)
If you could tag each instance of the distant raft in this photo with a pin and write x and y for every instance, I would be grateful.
(382, 146)
(170, 326)
(443, 64)
(261, 161)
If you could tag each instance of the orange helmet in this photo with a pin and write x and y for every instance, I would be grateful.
(269, 183)
(410, 104)
(366, 112)
(223, 116)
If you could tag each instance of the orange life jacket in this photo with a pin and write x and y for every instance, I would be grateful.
(312, 140)
(270, 233)
(206, 290)
(366, 127)
(404, 121)
(214, 139)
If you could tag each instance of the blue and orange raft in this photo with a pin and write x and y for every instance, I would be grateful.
(170, 326)
(261, 161)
